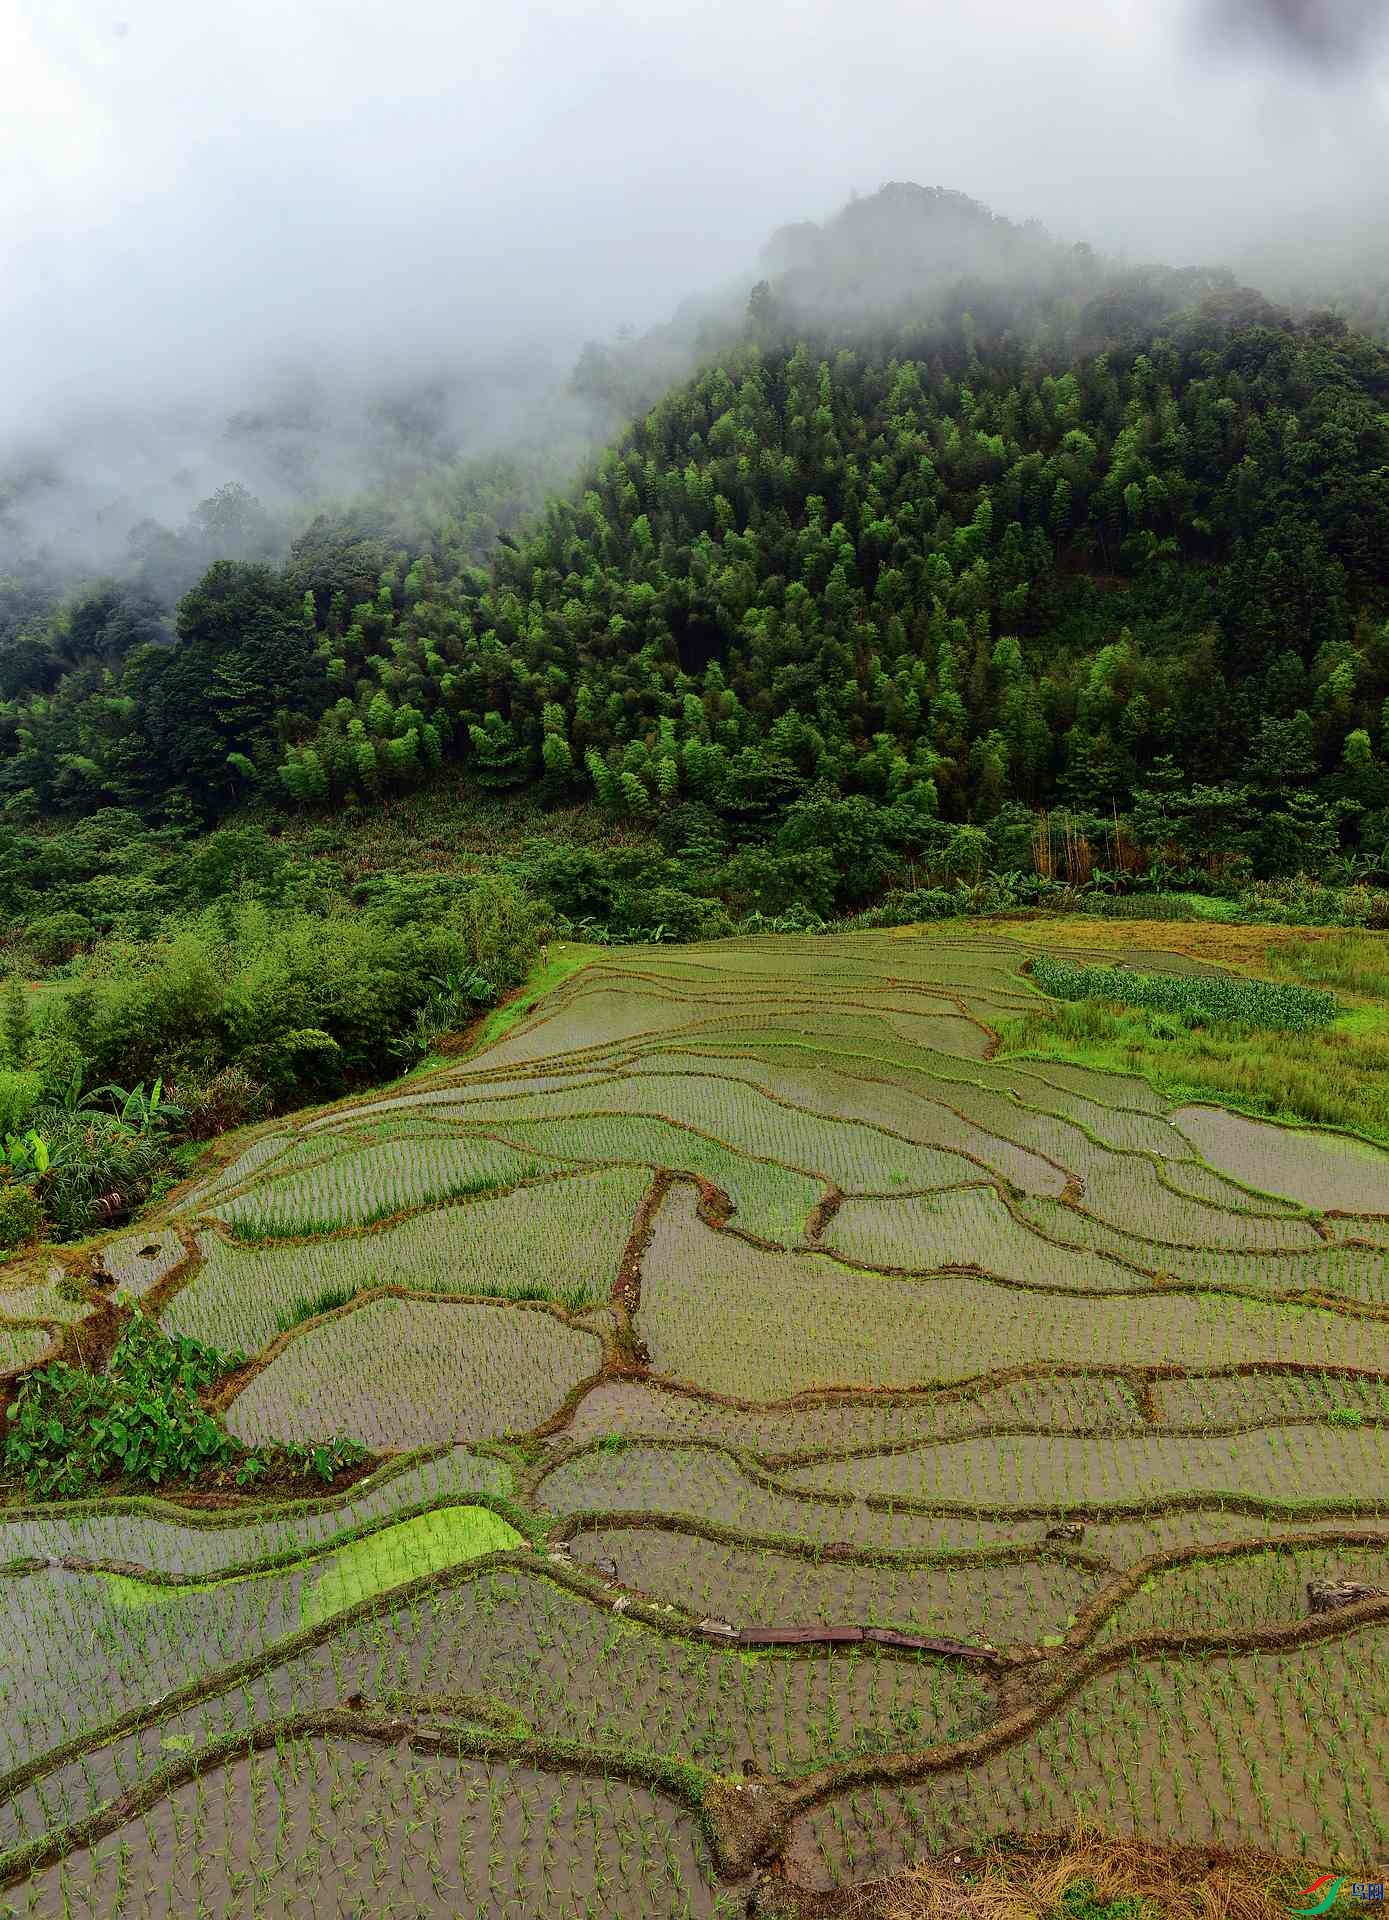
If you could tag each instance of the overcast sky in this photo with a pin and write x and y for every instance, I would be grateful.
(189, 189)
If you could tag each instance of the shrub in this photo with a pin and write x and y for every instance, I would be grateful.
(902, 908)
(758, 880)
(641, 912)
(58, 1061)
(855, 845)
(454, 1004)
(20, 1093)
(293, 1062)
(55, 937)
(308, 1005)
(15, 1022)
(502, 929)
(1302, 901)
(99, 1169)
(229, 1098)
(574, 880)
(21, 1215)
(70, 1431)
(794, 920)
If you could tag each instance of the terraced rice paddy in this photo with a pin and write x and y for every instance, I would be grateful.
(806, 1439)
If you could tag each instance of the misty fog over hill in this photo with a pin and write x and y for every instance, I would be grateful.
(243, 262)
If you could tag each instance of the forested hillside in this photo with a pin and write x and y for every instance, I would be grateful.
(938, 567)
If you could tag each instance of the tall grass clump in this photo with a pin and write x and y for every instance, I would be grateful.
(573, 1295)
(1162, 906)
(326, 1300)
(1355, 962)
(1334, 1076)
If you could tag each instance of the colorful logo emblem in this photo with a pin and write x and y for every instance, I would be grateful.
(1369, 1892)
(1328, 1887)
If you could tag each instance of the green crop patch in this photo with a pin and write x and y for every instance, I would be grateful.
(427, 1371)
(348, 1575)
(404, 1552)
(1195, 997)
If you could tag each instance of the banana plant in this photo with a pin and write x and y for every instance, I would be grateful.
(71, 1098)
(141, 1111)
(469, 984)
(26, 1157)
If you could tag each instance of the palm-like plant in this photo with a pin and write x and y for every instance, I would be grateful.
(26, 1156)
(143, 1112)
(98, 1167)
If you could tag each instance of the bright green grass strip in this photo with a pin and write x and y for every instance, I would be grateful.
(566, 958)
(126, 1591)
(1164, 906)
(359, 1570)
(255, 1228)
(396, 1554)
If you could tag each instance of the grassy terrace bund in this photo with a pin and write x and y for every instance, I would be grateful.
(817, 1417)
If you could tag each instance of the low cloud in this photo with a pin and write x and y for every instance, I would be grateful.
(203, 207)
(1323, 35)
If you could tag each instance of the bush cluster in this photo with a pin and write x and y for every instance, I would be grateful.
(141, 1421)
(235, 1011)
(308, 1005)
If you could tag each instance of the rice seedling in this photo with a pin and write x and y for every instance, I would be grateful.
(562, 1240)
(360, 1188)
(21, 1347)
(138, 1261)
(245, 1834)
(1211, 1751)
(1300, 1466)
(703, 1315)
(53, 1296)
(735, 1291)
(426, 1371)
